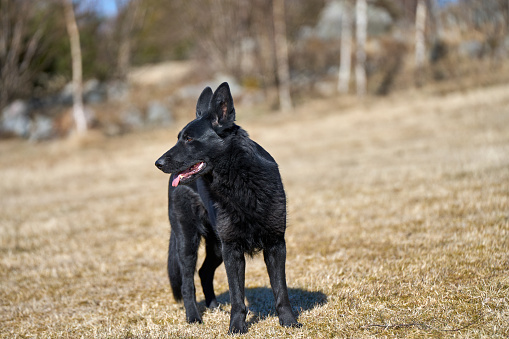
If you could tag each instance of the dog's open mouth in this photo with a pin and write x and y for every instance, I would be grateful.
(188, 173)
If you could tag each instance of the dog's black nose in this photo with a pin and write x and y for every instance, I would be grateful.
(160, 163)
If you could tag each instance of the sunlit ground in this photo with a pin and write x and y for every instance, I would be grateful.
(398, 226)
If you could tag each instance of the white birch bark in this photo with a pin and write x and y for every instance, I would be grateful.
(345, 62)
(77, 81)
(420, 47)
(361, 34)
(131, 20)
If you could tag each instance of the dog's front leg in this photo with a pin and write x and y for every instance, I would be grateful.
(235, 265)
(188, 256)
(275, 258)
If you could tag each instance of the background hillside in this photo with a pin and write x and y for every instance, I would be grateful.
(145, 62)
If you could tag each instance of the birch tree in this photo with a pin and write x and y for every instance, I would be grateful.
(281, 49)
(129, 21)
(420, 48)
(361, 34)
(346, 49)
(77, 81)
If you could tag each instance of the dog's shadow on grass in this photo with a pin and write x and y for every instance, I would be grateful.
(260, 302)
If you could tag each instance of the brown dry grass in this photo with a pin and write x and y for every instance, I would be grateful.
(398, 227)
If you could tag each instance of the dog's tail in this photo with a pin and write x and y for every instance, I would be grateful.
(174, 269)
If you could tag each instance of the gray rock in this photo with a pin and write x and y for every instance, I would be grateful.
(91, 85)
(192, 92)
(94, 91)
(65, 95)
(329, 22)
(379, 20)
(117, 91)
(42, 128)
(90, 116)
(132, 117)
(158, 114)
(16, 119)
(471, 49)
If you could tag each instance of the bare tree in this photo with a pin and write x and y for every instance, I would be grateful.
(264, 34)
(420, 48)
(281, 49)
(129, 20)
(77, 81)
(346, 49)
(219, 30)
(361, 34)
(17, 50)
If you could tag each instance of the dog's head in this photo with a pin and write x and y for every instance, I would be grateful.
(203, 139)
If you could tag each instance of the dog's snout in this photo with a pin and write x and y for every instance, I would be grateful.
(160, 163)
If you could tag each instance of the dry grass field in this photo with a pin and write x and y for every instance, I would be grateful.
(398, 227)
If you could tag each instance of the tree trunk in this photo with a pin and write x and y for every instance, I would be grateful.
(361, 33)
(420, 48)
(124, 58)
(346, 49)
(434, 15)
(264, 35)
(129, 22)
(281, 49)
(77, 82)
(246, 51)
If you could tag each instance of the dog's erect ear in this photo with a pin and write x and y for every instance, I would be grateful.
(223, 112)
(203, 102)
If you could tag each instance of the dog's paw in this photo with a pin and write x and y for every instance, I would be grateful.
(237, 325)
(196, 319)
(213, 304)
(295, 324)
(290, 321)
(237, 330)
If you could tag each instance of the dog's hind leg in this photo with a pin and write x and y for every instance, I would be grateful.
(275, 258)
(212, 260)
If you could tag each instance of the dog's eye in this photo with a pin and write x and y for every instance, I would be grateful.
(187, 138)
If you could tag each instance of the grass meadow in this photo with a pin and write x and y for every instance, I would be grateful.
(398, 226)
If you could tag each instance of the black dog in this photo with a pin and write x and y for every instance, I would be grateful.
(226, 188)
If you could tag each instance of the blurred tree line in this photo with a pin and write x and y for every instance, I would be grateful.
(234, 36)
(35, 57)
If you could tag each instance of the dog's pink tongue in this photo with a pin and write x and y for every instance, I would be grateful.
(175, 181)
